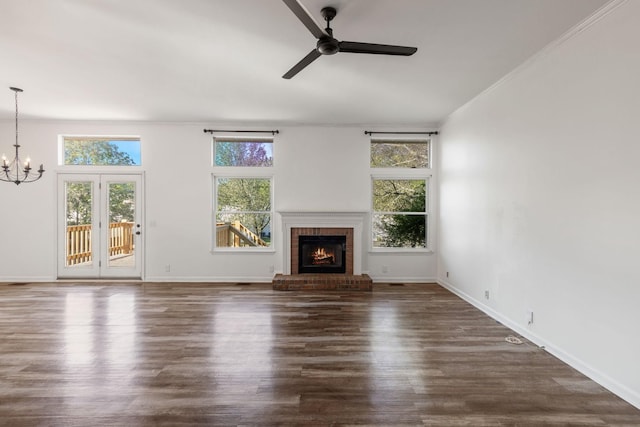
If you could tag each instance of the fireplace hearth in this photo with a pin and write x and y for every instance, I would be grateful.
(322, 254)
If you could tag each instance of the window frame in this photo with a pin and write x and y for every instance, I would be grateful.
(241, 172)
(408, 173)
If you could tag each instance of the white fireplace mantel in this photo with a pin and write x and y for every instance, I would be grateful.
(304, 219)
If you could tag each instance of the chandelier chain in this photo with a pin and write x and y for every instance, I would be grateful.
(16, 98)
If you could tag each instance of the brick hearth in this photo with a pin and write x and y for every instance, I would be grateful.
(324, 282)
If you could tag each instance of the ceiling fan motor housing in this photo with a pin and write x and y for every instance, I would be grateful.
(327, 46)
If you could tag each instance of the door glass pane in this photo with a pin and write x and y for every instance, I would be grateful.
(121, 204)
(78, 211)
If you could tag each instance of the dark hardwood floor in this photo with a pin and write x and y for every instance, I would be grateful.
(209, 354)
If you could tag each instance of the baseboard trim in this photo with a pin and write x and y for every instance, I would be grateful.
(620, 390)
(27, 279)
(209, 279)
(206, 279)
(396, 279)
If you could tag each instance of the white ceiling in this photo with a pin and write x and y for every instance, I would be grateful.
(222, 60)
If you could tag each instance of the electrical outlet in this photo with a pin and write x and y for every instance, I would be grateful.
(385, 269)
(486, 294)
(271, 269)
(167, 268)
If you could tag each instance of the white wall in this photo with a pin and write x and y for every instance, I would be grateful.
(177, 229)
(540, 200)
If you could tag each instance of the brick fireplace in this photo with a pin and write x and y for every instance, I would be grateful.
(348, 224)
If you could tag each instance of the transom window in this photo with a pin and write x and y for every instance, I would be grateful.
(101, 151)
(398, 153)
(252, 152)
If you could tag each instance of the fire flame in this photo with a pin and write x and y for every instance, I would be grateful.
(321, 256)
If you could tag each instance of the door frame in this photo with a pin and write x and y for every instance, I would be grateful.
(100, 269)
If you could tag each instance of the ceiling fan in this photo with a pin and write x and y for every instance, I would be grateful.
(328, 45)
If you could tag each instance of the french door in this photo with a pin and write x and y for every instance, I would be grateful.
(100, 226)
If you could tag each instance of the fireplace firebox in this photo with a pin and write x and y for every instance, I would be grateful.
(322, 254)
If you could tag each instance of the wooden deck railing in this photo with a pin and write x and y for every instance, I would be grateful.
(120, 238)
(235, 234)
(228, 234)
(78, 244)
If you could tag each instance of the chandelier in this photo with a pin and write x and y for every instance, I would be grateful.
(17, 171)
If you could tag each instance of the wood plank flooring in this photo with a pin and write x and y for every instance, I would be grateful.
(174, 354)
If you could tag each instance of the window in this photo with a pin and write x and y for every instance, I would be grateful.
(400, 194)
(101, 151)
(400, 153)
(254, 152)
(242, 193)
(399, 217)
(243, 212)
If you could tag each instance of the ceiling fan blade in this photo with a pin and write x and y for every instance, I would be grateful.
(377, 49)
(305, 17)
(312, 56)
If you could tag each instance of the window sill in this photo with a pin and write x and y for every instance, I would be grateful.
(401, 251)
(248, 250)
